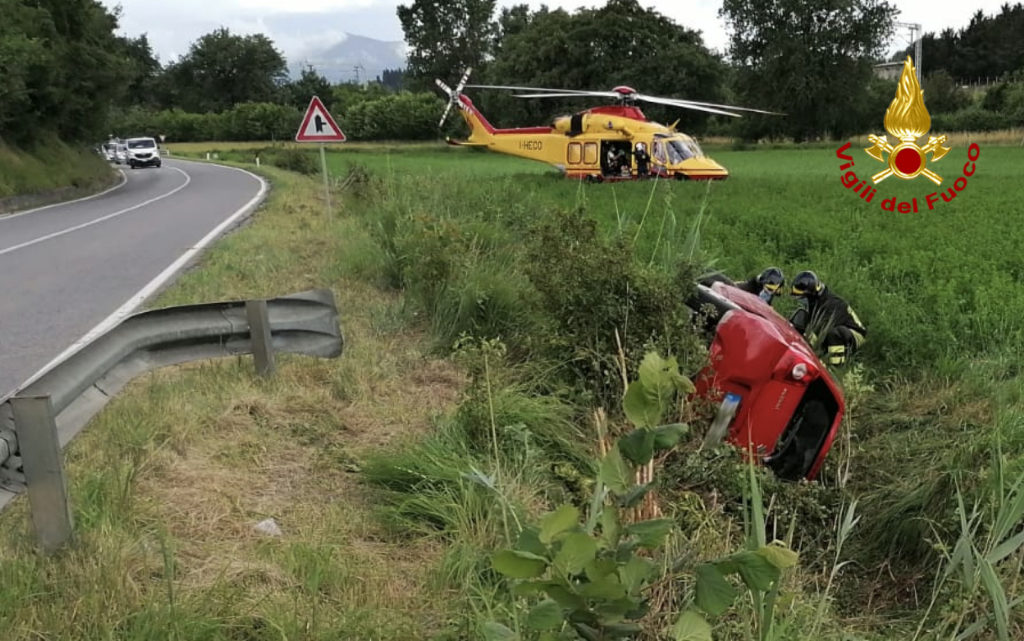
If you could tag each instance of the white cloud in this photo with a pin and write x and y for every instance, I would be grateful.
(303, 6)
(172, 26)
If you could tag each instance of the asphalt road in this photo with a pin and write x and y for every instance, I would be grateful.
(66, 268)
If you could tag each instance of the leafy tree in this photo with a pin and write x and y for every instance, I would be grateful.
(942, 95)
(309, 84)
(222, 69)
(620, 43)
(348, 94)
(445, 37)
(392, 79)
(810, 59)
(59, 69)
(143, 69)
(988, 47)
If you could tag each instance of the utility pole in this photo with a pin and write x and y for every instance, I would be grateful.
(916, 40)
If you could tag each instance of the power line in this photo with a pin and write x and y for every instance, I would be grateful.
(915, 30)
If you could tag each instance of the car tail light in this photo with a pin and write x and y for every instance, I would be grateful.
(803, 372)
(794, 369)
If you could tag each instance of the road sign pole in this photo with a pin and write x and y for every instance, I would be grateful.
(318, 126)
(327, 182)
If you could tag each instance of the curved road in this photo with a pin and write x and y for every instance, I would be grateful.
(66, 268)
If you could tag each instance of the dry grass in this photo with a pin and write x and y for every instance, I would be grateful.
(170, 480)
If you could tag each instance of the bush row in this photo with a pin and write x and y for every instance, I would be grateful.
(401, 116)
(975, 119)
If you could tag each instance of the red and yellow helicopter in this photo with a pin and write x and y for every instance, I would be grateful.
(600, 143)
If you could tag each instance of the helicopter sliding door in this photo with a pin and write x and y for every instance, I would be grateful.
(616, 157)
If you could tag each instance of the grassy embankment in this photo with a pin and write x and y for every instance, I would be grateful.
(169, 481)
(939, 406)
(50, 172)
(203, 453)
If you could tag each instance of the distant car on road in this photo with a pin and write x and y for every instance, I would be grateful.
(142, 152)
(777, 400)
(120, 154)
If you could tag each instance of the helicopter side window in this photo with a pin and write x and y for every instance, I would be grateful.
(590, 153)
(659, 151)
(575, 153)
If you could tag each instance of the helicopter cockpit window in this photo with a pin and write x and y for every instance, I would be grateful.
(679, 150)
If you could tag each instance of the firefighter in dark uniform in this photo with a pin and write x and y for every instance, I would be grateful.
(825, 311)
(643, 159)
(765, 285)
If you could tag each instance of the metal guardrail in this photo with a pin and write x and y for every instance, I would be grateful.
(40, 419)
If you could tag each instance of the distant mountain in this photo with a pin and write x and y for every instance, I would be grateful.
(353, 58)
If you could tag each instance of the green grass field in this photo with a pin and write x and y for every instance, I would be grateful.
(935, 287)
(398, 470)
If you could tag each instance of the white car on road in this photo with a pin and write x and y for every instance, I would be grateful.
(142, 152)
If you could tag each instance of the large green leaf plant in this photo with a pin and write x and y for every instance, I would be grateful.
(589, 576)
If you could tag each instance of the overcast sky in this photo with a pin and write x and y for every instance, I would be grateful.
(299, 26)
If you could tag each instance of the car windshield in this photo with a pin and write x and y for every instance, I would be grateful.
(141, 144)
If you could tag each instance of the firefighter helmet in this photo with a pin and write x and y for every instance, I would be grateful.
(807, 284)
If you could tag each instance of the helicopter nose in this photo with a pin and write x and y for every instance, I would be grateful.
(702, 169)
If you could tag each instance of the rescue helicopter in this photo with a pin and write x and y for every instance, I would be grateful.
(596, 144)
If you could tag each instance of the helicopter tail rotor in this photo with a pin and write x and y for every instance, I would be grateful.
(453, 95)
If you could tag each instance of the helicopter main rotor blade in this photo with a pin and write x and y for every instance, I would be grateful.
(710, 107)
(685, 105)
(597, 94)
(536, 89)
(711, 104)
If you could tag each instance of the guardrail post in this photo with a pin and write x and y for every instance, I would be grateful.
(47, 489)
(259, 334)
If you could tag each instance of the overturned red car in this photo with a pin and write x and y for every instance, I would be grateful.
(777, 400)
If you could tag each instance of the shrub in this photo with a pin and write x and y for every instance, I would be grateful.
(590, 288)
(297, 160)
(401, 116)
(970, 119)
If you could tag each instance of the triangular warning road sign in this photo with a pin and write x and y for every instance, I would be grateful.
(318, 126)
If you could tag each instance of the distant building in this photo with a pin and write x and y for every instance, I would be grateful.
(889, 70)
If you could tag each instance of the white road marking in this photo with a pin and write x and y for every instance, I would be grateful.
(55, 234)
(124, 181)
(154, 285)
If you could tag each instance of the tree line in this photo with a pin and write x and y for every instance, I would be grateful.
(66, 73)
(61, 67)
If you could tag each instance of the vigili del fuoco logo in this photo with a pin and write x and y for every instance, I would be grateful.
(907, 121)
